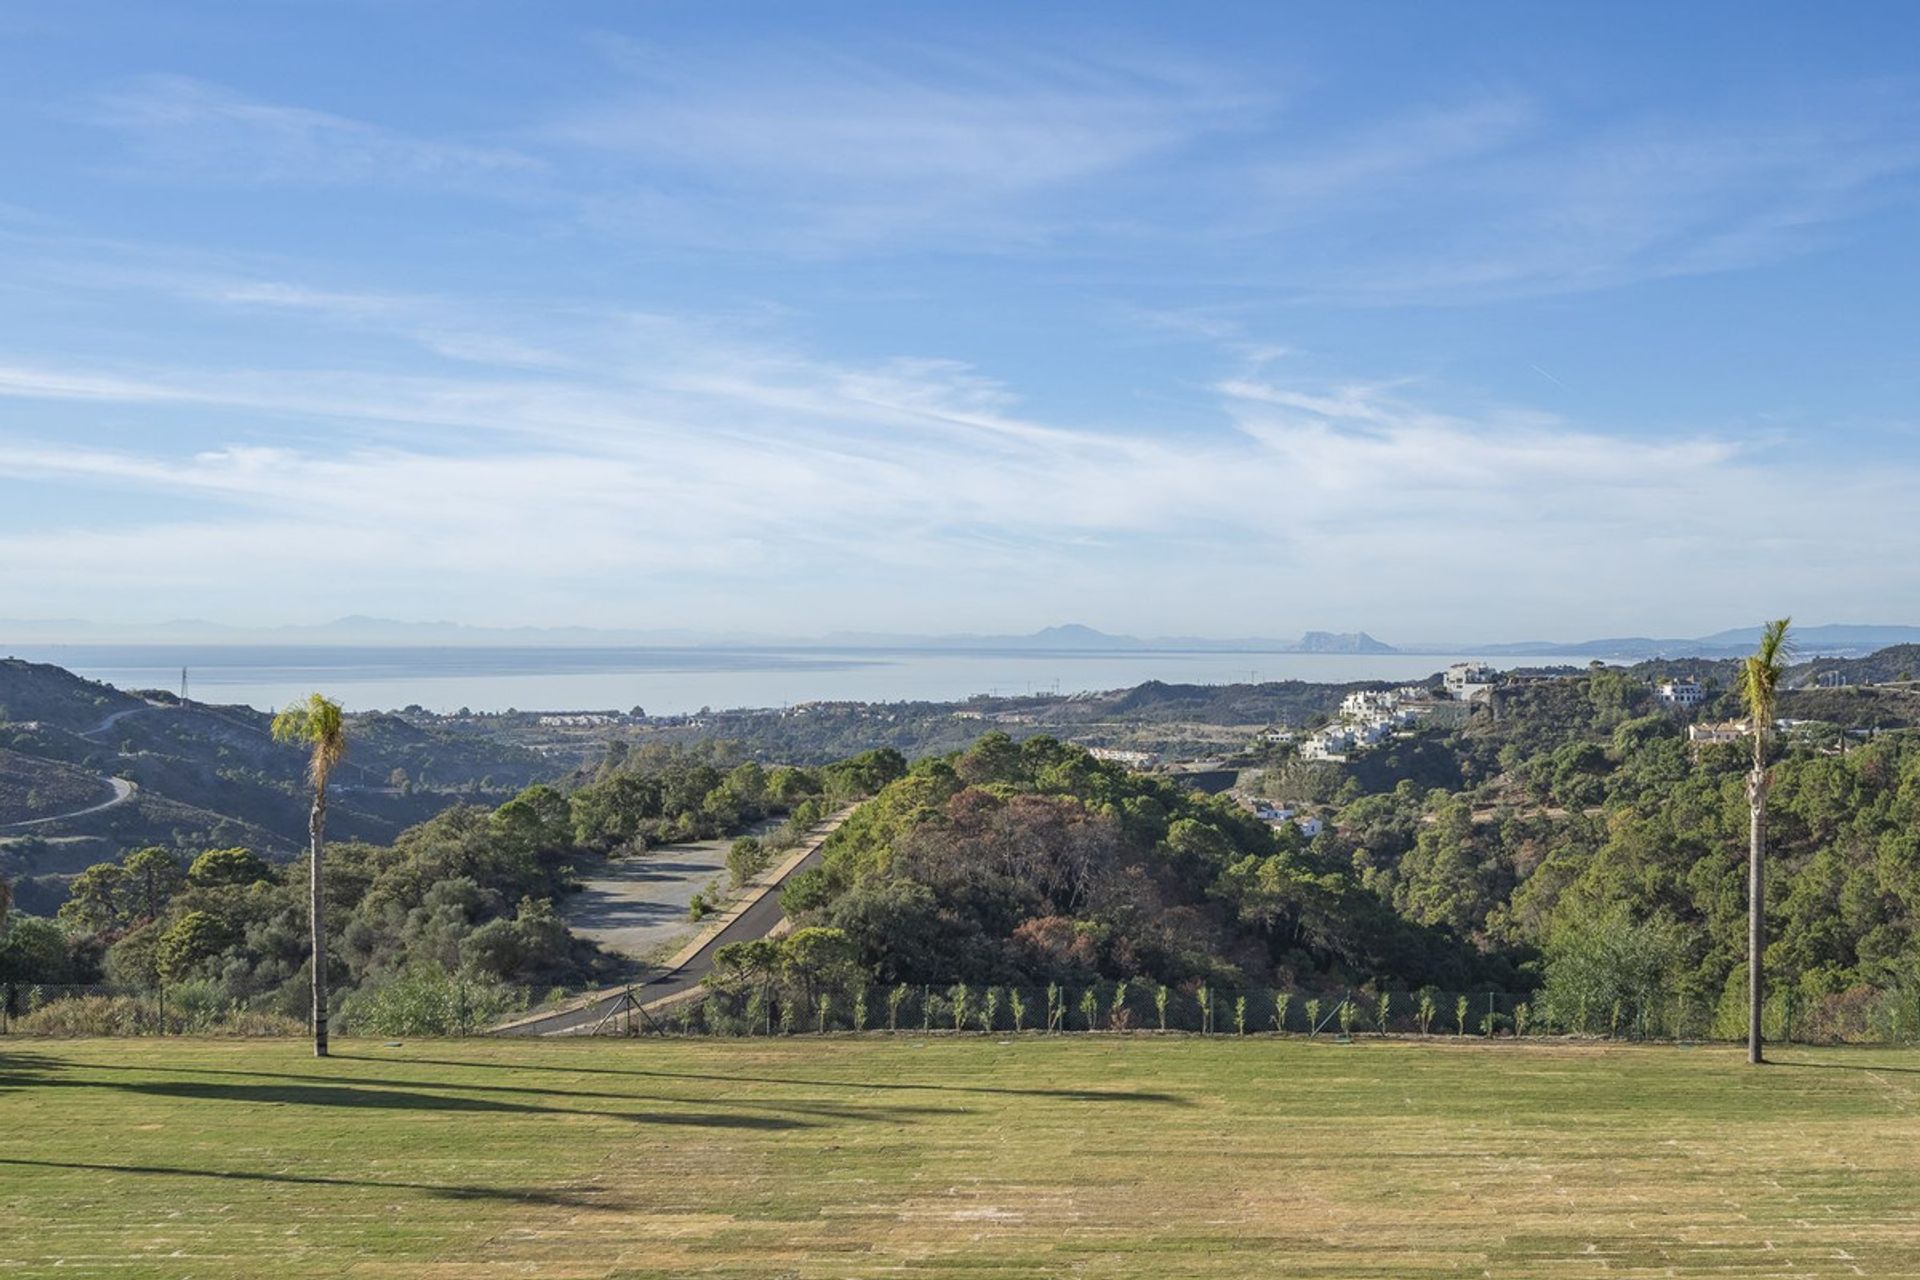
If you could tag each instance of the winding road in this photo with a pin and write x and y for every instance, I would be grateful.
(124, 789)
(754, 916)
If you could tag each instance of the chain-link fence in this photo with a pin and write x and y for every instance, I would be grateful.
(449, 1008)
(1883, 1017)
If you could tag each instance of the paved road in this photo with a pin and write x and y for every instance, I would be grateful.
(123, 791)
(116, 718)
(757, 921)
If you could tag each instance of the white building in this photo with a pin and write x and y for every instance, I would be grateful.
(1310, 827)
(1367, 704)
(1330, 743)
(1466, 681)
(1682, 693)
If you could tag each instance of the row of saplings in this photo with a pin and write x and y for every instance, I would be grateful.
(808, 982)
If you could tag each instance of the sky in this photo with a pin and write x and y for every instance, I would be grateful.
(1439, 321)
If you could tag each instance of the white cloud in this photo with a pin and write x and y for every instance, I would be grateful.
(808, 150)
(742, 479)
(179, 127)
(1500, 199)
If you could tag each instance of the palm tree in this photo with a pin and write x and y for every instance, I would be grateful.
(1760, 690)
(316, 724)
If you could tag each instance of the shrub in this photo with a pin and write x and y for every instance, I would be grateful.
(895, 998)
(1313, 1017)
(1383, 1010)
(961, 997)
(1205, 997)
(1119, 1017)
(1090, 1008)
(860, 1008)
(1056, 1008)
(1346, 1018)
(1280, 1003)
(746, 859)
(429, 1001)
(1425, 1015)
(1460, 1016)
(1240, 1015)
(1018, 1005)
(136, 1016)
(1160, 1004)
(989, 1009)
(1520, 1015)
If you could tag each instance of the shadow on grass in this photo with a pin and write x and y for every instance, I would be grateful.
(515, 1195)
(889, 1113)
(1871, 1067)
(346, 1095)
(1065, 1095)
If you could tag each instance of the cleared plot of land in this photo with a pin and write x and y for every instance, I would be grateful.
(1084, 1156)
(637, 904)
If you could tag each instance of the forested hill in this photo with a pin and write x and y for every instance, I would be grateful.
(1576, 842)
(1032, 862)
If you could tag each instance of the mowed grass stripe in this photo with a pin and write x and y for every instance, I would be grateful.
(963, 1156)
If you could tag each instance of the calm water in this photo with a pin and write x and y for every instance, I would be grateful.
(673, 681)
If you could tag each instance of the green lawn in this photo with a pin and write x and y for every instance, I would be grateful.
(1082, 1156)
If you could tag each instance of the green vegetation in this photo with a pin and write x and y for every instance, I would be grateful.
(1607, 860)
(856, 1157)
(442, 932)
(1031, 862)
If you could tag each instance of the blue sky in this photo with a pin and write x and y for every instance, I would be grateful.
(1479, 321)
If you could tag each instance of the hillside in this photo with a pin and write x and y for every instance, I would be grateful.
(207, 776)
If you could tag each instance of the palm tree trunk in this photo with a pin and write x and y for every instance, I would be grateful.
(316, 827)
(1756, 912)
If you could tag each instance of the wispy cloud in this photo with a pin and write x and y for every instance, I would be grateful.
(180, 128)
(860, 151)
(1501, 199)
(752, 467)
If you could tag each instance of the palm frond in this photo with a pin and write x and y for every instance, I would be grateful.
(319, 725)
(1761, 674)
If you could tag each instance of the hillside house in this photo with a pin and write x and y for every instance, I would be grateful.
(1466, 681)
(1716, 733)
(1682, 693)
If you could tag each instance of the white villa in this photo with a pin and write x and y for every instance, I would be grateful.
(1681, 693)
(1466, 681)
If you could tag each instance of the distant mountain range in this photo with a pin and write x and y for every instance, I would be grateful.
(1838, 641)
(1833, 641)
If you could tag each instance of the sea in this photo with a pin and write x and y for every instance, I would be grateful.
(664, 681)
